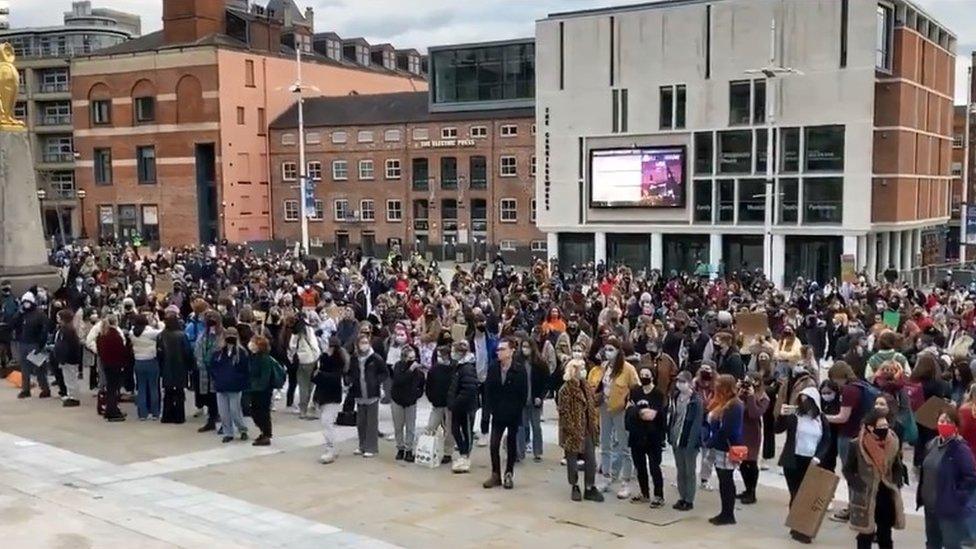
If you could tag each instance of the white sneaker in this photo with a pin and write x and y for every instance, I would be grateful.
(562, 461)
(456, 465)
(764, 465)
(327, 458)
(357, 452)
(368, 454)
(294, 410)
(706, 486)
(607, 485)
(624, 492)
(482, 442)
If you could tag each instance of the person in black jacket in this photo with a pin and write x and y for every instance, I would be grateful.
(30, 335)
(727, 358)
(333, 364)
(67, 356)
(367, 373)
(538, 378)
(462, 401)
(807, 442)
(506, 391)
(406, 389)
(647, 430)
(437, 388)
(176, 361)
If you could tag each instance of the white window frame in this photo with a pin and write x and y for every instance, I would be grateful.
(391, 136)
(420, 134)
(508, 130)
(506, 245)
(449, 132)
(364, 136)
(313, 170)
(318, 211)
(372, 170)
(478, 132)
(289, 167)
(297, 211)
(371, 209)
(502, 167)
(393, 168)
(313, 138)
(399, 210)
(345, 167)
(335, 209)
(512, 208)
(288, 139)
(340, 137)
(538, 246)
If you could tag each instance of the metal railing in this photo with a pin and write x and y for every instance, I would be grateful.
(58, 157)
(479, 225)
(55, 87)
(55, 120)
(421, 224)
(421, 184)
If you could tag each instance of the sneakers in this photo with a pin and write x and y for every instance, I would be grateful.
(657, 503)
(482, 441)
(507, 483)
(243, 435)
(44, 394)
(357, 452)
(748, 498)
(24, 394)
(843, 515)
(262, 441)
(70, 403)
(624, 492)
(537, 459)
(764, 465)
(210, 426)
(462, 465)
(592, 494)
(607, 484)
(682, 505)
(446, 459)
(368, 455)
(227, 439)
(639, 499)
(706, 486)
(409, 457)
(399, 455)
(494, 481)
(327, 458)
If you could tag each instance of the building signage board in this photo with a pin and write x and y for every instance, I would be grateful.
(446, 144)
(971, 225)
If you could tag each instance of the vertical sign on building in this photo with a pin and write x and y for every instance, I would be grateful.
(4, 14)
(971, 225)
(309, 209)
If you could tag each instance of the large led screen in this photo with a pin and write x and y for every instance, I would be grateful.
(645, 177)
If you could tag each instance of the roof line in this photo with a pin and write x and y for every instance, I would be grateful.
(655, 4)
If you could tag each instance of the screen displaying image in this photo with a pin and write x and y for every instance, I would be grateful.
(647, 177)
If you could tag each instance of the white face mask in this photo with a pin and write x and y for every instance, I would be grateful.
(526, 351)
(828, 397)
(252, 347)
(582, 374)
(363, 350)
(684, 387)
(578, 355)
(610, 354)
(400, 339)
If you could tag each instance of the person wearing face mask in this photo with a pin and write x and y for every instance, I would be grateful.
(484, 344)
(830, 406)
(407, 387)
(612, 382)
(684, 435)
(724, 430)
(755, 402)
(67, 356)
(229, 368)
(30, 327)
(437, 389)
(8, 310)
(807, 442)
(261, 368)
(506, 392)
(727, 359)
(462, 400)
(579, 429)
(207, 346)
(328, 392)
(799, 377)
(538, 378)
(175, 364)
(946, 482)
(367, 373)
(646, 431)
(304, 350)
(874, 473)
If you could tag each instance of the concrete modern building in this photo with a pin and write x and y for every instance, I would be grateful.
(174, 144)
(665, 165)
(958, 174)
(43, 57)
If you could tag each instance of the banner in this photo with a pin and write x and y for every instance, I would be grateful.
(971, 224)
(848, 268)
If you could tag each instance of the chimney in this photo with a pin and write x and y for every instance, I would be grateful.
(190, 20)
(310, 18)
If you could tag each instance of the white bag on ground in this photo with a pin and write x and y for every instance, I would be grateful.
(430, 449)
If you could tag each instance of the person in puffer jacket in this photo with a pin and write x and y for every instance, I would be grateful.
(462, 400)
(303, 349)
(438, 386)
(231, 376)
(406, 388)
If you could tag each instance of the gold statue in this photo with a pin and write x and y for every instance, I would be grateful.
(9, 84)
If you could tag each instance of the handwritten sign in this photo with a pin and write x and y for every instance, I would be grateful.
(812, 501)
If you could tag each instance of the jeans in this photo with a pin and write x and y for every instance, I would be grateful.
(685, 460)
(404, 425)
(648, 458)
(440, 416)
(231, 416)
(328, 418)
(511, 433)
(462, 425)
(147, 387)
(70, 374)
(615, 462)
(27, 368)
(589, 465)
(944, 534)
(368, 427)
(794, 475)
(843, 451)
(261, 411)
(292, 369)
(304, 387)
(531, 424)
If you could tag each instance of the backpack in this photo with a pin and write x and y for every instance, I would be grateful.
(916, 395)
(869, 393)
(278, 375)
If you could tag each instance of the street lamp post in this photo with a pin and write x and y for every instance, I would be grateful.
(81, 194)
(964, 203)
(770, 72)
(302, 169)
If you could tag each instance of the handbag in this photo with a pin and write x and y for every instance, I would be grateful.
(430, 449)
(738, 454)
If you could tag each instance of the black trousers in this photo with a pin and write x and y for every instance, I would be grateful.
(292, 382)
(58, 380)
(129, 377)
(510, 431)
(461, 427)
(884, 519)
(794, 475)
(648, 458)
(113, 384)
(726, 492)
(261, 411)
(485, 413)
(769, 430)
(750, 475)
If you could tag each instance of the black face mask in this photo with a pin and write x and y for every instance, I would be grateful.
(231, 341)
(645, 381)
(881, 433)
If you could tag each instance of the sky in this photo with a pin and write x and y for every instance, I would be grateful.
(422, 23)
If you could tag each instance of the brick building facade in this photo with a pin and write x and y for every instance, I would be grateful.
(387, 170)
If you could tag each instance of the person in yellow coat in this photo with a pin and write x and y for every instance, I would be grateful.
(612, 381)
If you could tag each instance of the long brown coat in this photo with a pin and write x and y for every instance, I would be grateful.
(865, 480)
(578, 416)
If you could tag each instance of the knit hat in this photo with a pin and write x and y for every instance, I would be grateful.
(28, 297)
(230, 333)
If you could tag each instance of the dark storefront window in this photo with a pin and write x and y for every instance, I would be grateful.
(823, 200)
(739, 102)
(420, 174)
(484, 73)
(449, 174)
(575, 249)
(633, 250)
(735, 152)
(789, 201)
(790, 160)
(742, 252)
(479, 215)
(703, 201)
(825, 149)
(752, 200)
(813, 257)
(682, 252)
(704, 150)
(726, 200)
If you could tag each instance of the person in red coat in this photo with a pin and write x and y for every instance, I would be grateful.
(967, 418)
(114, 356)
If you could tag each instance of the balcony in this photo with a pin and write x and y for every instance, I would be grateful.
(479, 225)
(421, 184)
(54, 122)
(421, 225)
(58, 157)
(449, 224)
(57, 87)
(479, 183)
(450, 184)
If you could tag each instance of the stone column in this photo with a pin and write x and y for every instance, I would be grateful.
(599, 247)
(552, 245)
(714, 253)
(657, 251)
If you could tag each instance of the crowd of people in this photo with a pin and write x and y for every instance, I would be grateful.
(633, 362)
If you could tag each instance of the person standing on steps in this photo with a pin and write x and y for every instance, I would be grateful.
(506, 391)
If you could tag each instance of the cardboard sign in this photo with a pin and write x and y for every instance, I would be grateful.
(164, 284)
(812, 501)
(751, 324)
(458, 332)
(848, 269)
(144, 252)
(892, 319)
(928, 414)
(334, 312)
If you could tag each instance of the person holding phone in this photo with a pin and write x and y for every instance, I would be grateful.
(807, 442)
